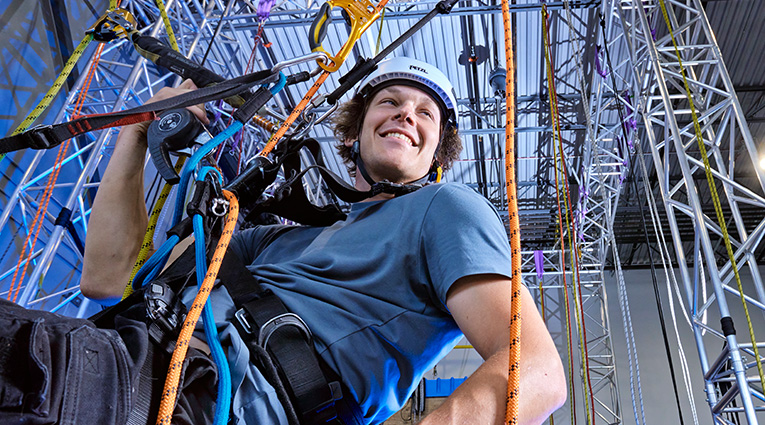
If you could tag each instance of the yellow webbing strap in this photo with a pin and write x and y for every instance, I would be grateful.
(715, 195)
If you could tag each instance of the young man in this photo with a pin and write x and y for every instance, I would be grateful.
(387, 292)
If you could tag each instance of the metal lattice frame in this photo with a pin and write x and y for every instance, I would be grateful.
(124, 80)
(731, 379)
(548, 283)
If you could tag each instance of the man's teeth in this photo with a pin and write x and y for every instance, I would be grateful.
(400, 136)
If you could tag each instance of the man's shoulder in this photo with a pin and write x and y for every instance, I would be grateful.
(449, 190)
(455, 195)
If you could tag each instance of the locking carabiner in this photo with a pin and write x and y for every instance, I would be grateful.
(360, 14)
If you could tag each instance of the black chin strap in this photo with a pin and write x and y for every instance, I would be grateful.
(385, 186)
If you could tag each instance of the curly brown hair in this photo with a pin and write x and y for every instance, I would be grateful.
(346, 125)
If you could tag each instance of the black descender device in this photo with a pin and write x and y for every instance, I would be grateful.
(176, 131)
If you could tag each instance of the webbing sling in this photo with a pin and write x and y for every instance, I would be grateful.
(49, 136)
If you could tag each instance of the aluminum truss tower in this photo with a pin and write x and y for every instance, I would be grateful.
(548, 276)
(652, 70)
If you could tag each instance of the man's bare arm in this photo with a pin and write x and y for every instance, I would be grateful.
(481, 307)
(118, 219)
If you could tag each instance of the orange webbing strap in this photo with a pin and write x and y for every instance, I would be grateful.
(37, 223)
(148, 237)
(170, 392)
(514, 369)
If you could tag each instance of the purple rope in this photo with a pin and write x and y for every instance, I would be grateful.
(598, 66)
(264, 9)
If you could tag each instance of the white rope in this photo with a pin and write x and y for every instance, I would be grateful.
(665, 262)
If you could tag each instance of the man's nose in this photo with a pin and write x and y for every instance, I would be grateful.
(405, 112)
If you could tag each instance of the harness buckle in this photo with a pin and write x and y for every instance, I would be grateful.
(286, 319)
(39, 137)
(241, 317)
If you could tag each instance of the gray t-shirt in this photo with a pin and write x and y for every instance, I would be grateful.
(373, 288)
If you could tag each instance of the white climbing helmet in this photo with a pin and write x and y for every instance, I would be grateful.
(403, 70)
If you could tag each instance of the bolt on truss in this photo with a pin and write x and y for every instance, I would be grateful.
(732, 382)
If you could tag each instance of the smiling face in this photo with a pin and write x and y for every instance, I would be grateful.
(400, 134)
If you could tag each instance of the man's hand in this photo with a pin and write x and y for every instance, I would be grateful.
(118, 219)
(481, 307)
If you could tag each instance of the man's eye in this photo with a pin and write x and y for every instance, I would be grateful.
(388, 101)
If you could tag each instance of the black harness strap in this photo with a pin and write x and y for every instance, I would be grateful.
(265, 325)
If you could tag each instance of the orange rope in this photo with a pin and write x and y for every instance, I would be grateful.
(304, 102)
(514, 369)
(295, 112)
(169, 394)
(39, 216)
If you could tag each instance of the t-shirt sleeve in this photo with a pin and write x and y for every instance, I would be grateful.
(463, 235)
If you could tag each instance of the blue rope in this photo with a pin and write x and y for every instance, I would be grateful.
(208, 147)
(223, 402)
(155, 263)
(192, 163)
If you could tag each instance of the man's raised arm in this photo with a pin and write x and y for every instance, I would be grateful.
(118, 219)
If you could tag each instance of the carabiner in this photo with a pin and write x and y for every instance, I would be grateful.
(360, 13)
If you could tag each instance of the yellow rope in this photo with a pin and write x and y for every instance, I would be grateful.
(168, 26)
(560, 175)
(148, 237)
(715, 196)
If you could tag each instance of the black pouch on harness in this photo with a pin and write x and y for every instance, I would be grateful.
(55, 369)
(156, 338)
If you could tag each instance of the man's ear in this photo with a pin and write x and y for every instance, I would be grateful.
(349, 142)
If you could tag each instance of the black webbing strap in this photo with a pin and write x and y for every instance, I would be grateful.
(49, 136)
(264, 323)
(290, 200)
(64, 219)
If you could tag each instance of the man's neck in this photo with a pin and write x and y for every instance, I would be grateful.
(362, 185)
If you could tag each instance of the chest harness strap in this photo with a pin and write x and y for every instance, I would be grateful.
(281, 345)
